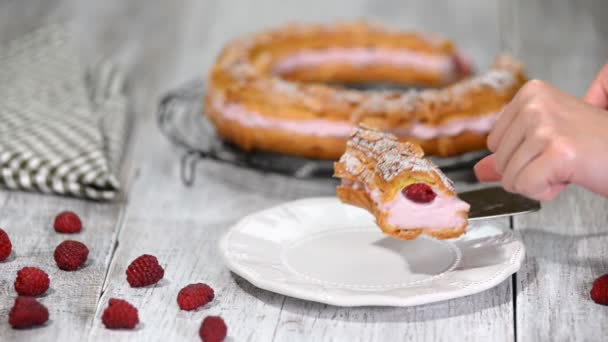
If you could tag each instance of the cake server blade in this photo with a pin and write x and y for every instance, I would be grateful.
(495, 202)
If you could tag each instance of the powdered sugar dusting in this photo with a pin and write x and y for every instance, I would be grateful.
(242, 70)
(350, 96)
(406, 104)
(392, 157)
(497, 79)
(286, 87)
(352, 163)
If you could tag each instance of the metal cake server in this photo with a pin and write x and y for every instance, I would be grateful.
(495, 202)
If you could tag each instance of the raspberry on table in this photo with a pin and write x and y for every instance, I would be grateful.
(70, 255)
(599, 291)
(27, 312)
(31, 281)
(419, 193)
(144, 271)
(5, 245)
(213, 329)
(120, 315)
(194, 296)
(67, 222)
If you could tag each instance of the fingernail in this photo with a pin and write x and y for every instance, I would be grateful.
(485, 170)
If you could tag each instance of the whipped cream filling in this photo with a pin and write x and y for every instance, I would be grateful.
(326, 128)
(362, 57)
(442, 212)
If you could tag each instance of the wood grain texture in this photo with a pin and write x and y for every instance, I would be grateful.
(73, 296)
(560, 42)
(563, 43)
(567, 246)
(182, 230)
(163, 45)
(167, 42)
(28, 218)
(182, 225)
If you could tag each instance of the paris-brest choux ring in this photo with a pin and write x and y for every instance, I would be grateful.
(273, 90)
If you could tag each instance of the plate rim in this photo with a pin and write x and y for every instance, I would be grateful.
(511, 267)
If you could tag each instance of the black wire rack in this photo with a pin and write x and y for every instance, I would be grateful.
(182, 120)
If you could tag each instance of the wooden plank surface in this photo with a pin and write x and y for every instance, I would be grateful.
(73, 296)
(563, 43)
(567, 248)
(168, 42)
(181, 226)
(190, 221)
(28, 218)
(182, 230)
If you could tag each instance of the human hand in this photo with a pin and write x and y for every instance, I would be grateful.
(597, 94)
(546, 139)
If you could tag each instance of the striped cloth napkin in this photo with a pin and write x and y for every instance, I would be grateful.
(63, 126)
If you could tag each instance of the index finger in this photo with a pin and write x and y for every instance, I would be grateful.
(507, 116)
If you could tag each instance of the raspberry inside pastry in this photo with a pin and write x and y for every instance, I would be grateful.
(406, 193)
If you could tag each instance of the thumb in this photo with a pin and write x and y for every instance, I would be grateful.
(485, 169)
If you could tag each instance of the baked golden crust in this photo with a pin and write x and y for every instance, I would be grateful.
(327, 148)
(378, 162)
(244, 75)
(249, 138)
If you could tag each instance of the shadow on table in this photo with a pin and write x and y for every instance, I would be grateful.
(499, 295)
(564, 249)
(269, 184)
(552, 247)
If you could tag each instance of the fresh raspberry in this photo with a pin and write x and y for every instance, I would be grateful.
(67, 222)
(419, 193)
(144, 271)
(194, 296)
(213, 329)
(31, 281)
(70, 255)
(120, 315)
(27, 312)
(5, 245)
(599, 291)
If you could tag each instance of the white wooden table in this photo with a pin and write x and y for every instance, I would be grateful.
(163, 43)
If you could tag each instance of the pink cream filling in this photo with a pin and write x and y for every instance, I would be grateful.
(325, 128)
(367, 56)
(442, 212)
(478, 124)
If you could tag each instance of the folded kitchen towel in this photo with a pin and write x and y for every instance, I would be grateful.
(63, 125)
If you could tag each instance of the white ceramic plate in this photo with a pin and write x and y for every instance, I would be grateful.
(321, 250)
